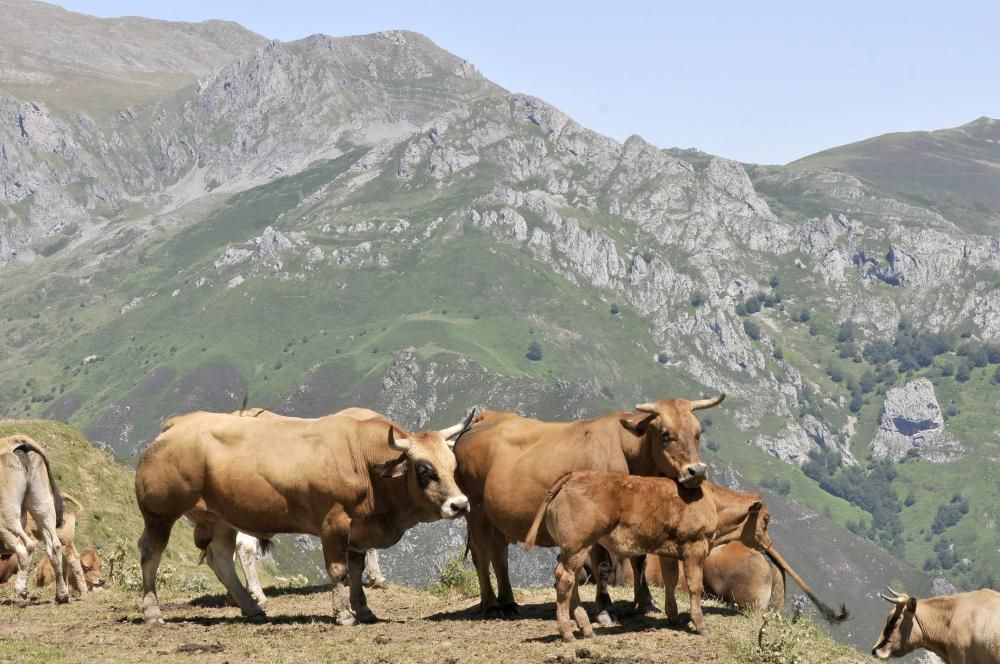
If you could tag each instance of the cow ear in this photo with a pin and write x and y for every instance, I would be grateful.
(911, 604)
(755, 506)
(391, 469)
(636, 424)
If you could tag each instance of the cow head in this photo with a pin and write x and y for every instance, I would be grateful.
(742, 517)
(91, 564)
(901, 633)
(673, 431)
(428, 462)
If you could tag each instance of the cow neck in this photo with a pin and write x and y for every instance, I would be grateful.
(638, 451)
(934, 618)
(374, 451)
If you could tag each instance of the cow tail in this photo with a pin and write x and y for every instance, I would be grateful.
(265, 547)
(828, 613)
(529, 539)
(29, 445)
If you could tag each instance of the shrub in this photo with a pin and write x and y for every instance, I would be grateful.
(456, 575)
(697, 299)
(777, 353)
(776, 484)
(752, 329)
(534, 352)
(662, 357)
(752, 305)
(846, 332)
(804, 316)
(774, 281)
(614, 309)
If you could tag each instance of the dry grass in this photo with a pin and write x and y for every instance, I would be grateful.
(415, 626)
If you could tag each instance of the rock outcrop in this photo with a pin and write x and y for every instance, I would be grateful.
(912, 423)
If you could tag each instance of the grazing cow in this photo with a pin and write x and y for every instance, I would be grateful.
(90, 564)
(356, 484)
(72, 567)
(507, 463)
(27, 486)
(960, 629)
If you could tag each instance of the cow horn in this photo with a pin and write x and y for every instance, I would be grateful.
(398, 444)
(899, 599)
(452, 433)
(646, 408)
(708, 403)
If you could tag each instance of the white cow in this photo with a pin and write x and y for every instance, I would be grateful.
(28, 487)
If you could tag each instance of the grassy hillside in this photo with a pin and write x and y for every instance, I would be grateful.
(953, 171)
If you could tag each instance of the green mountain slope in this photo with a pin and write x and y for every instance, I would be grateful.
(369, 221)
(953, 171)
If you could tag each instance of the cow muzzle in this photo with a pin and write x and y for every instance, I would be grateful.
(693, 475)
(455, 507)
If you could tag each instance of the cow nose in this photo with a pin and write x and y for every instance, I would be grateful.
(456, 506)
(694, 473)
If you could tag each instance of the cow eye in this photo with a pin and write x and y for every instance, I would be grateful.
(425, 474)
(666, 437)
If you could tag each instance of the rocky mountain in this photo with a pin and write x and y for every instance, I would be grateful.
(369, 220)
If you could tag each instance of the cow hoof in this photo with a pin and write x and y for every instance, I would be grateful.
(604, 618)
(154, 620)
(262, 602)
(257, 618)
(646, 609)
(381, 583)
(568, 637)
(366, 616)
(510, 610)
(346, 618)
(492, 612)
(22, 602)
(62, 599)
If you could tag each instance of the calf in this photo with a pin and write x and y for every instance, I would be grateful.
(960, 629)
(8, 567)
(72, 567)
(631, 516)
(91, 577)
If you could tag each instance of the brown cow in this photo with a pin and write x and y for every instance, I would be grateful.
(507, 463)
(8, 567)
(90, 564)
(960, 629)
(631, 516)
(738, 575)
(27, 486)
(355, 484)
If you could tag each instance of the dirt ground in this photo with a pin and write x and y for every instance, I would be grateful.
(414, 626)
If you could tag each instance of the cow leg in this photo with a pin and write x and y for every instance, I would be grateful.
(569, 563)
(670, 574)
(73, 569)
(10, 541)
(479, 544)
(220, 556)
(580, 614)
(600, 564)
(246, 552)
(642, 597)
(152, 542)
(335, 536)
(498, 556)
(43, 510)
(359, 603)
(694, 561)
(375, 578)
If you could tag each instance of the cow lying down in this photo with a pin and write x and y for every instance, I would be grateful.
(90, 565)
(631, 516)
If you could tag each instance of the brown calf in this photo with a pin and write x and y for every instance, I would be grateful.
(631, 516)
(90, 563)
(960, 629)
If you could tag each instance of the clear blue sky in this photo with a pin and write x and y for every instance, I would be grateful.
(763, 82)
